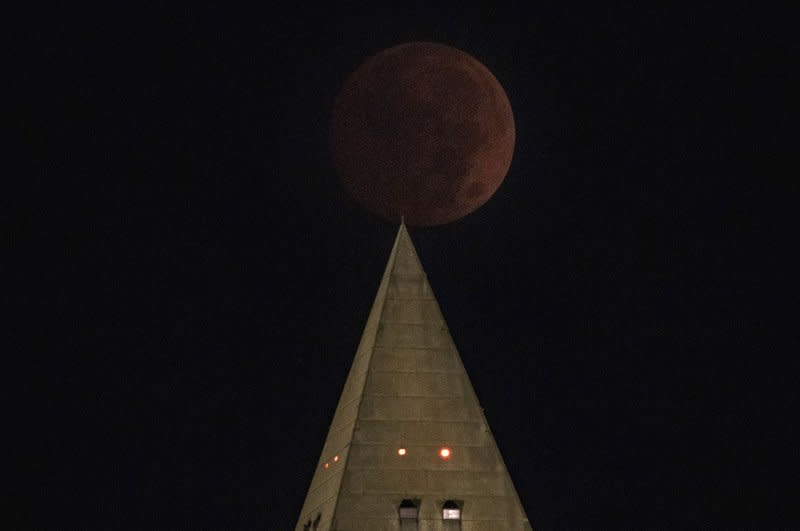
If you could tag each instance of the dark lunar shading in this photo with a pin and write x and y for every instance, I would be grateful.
(422, 130)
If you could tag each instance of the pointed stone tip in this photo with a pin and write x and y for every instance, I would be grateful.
(402, 229)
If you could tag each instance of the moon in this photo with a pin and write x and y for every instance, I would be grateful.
(422, 131)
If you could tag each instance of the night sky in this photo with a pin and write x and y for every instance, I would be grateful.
(203, 280)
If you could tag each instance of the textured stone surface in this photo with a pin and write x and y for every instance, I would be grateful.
(407, 388)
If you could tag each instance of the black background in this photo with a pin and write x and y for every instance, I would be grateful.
(200, 281)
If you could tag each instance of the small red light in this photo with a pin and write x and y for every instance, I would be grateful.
(326, 465)
(335, 458)
(445, 453)
(401, 451)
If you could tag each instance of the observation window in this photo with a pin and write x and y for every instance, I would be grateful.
(409, 509)
(451, 510)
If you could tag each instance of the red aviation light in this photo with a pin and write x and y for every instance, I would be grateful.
(326, 465)
(335, 458)
(445, 453)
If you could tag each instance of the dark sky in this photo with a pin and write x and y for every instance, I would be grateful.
(204, 281)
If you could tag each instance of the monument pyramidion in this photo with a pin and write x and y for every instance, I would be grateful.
(409, 447)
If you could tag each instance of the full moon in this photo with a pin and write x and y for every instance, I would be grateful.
(422, 131)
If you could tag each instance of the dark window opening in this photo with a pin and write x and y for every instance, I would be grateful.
(409, 509)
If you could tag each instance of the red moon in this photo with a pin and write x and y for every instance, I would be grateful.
(422, 131)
